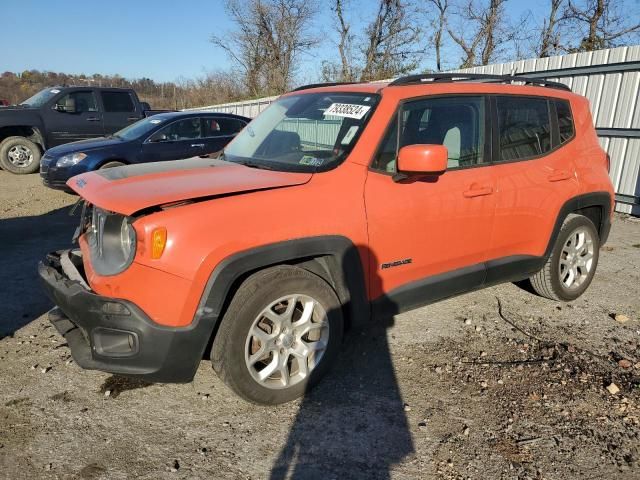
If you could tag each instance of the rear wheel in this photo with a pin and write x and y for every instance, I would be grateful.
(279, 336)
(573, 261)
(19, 155)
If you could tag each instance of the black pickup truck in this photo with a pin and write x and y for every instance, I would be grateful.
(58, 115)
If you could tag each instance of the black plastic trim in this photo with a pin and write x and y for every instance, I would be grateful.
(161, 354)
(349, 271)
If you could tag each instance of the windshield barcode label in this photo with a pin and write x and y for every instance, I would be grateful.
(347, 110)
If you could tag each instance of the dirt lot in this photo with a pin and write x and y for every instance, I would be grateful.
(459, 389)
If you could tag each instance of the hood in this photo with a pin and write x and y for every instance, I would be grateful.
(127, 190)
(83, 146)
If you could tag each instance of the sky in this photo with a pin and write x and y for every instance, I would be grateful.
(160, 39)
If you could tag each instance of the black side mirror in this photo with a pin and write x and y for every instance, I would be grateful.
(159, 137)
(69, 106)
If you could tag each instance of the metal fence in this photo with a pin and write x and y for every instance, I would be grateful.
(610, 79)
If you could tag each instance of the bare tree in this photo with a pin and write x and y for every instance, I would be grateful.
(439, 26)
(390, 42)
(483, 33)
(269, 38)
(550, 36)
(600, 24)
(344, 45)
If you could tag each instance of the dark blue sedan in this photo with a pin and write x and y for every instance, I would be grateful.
(166, 136)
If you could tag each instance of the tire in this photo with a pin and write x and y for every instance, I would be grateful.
(572, 263)
(19, 155)
(112, 165)
(239, 357)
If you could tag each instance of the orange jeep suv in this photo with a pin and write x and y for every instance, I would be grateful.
(337, 203)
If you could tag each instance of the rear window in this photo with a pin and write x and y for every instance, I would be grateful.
(524, 127)
(117, 102)
(565, 121)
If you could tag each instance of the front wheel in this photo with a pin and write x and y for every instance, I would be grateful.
(573, 261)
(19, 155)
(279, 336)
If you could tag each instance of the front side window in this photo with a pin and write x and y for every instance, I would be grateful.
(117, 102)
(455, 122)
(304, 132)
(523, 127)
(187, 129)
(565, 121)
(84, 102)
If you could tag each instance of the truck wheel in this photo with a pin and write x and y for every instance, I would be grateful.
(279, 336)
(573, 261)
(112, 165)
(19, 155)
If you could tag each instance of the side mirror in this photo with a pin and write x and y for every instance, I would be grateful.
(422, 160)
(145, 106)
(70, 105)
(159, 137)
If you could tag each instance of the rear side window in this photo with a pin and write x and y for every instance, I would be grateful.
(218, 127)
(565, 121)
(455, 122)
(523, 127)
(117, 102)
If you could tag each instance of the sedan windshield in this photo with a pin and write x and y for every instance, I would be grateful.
(40, 98)
(140, 128)
(303, 133)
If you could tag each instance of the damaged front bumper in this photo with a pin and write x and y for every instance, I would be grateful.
(115, 335)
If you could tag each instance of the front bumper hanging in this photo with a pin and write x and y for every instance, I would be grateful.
(115, 335)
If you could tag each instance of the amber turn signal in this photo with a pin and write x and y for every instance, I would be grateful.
(158, 242)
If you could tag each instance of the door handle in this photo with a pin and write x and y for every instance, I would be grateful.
(93, 119)
(130, 119)
(559, 175)
(198, 145)
(476, 191)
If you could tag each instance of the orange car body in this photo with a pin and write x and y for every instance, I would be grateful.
(466, 228)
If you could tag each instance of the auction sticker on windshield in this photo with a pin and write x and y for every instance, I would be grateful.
(348, 110)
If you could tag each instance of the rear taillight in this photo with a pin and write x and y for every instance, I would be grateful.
(608, 163)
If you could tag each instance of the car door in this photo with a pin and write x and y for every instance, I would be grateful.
(119, 110)
(180, 139)
(534, 171)
(218, 131)
(73, 116)
(429, 235)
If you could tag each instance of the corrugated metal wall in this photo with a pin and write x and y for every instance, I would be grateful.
(610, 79)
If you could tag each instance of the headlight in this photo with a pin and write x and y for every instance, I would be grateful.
(112, 240)
(70, 159)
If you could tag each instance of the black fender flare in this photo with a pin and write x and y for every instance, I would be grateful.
(593, 199)
(345, 269)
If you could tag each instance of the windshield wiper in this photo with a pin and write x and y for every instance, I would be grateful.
(261, 166)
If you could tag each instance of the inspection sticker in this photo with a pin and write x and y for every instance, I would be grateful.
(349, 110)
(309, 160)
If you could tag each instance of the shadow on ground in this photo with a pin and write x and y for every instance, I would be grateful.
(353, 424)
(23, 242)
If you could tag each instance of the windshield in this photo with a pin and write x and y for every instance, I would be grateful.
(40, 98)
(303, 133)
(140, 128)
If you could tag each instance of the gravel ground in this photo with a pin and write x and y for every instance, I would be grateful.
(494, 384)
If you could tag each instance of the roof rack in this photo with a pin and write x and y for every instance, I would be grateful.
(327, 84)
(480, 77)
